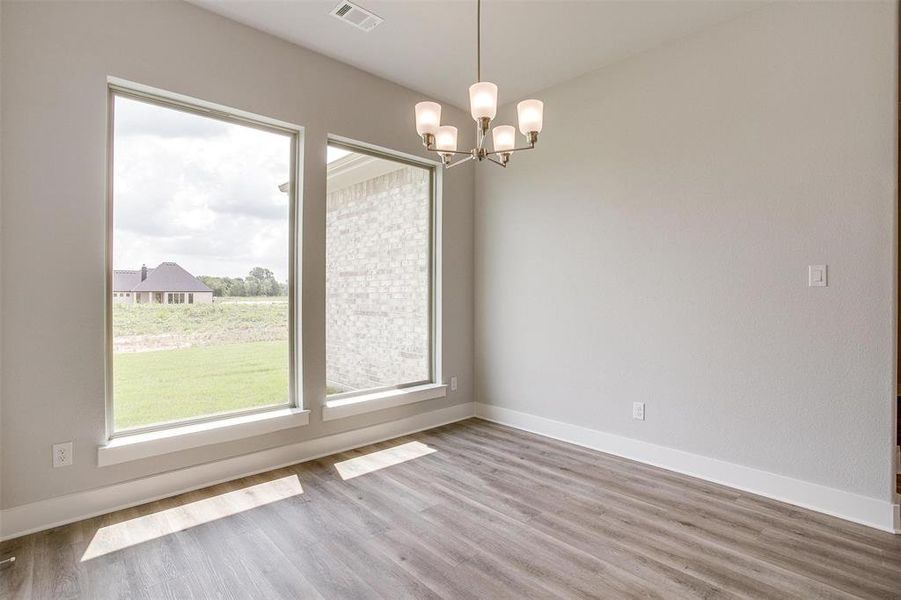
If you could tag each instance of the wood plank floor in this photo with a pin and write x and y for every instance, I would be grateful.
(470, 510)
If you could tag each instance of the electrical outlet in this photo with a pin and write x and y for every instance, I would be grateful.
(454, 383)
(62, 454)
(638, 410)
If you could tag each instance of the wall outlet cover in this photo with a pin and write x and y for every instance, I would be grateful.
(62, 454)
(638, 410)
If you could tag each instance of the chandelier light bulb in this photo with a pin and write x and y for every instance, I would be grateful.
(531, 116)
(504, 138)
(446, 138)
(483, 100)
(428, 117)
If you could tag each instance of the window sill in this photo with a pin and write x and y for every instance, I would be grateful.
(357, 405)
(155, 443)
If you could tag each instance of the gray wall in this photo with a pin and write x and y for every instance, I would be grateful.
(655, 248)
(56, 58)
(377, 281)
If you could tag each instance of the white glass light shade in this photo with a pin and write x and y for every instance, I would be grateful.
(428, 117)
(531, 115)
(483, 100)
(446, 138)
(504, 138)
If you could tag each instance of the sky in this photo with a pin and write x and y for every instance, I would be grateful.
(334, 154)
(198, 191)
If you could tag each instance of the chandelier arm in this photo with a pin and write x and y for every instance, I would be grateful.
(532, 147)
(497, 162)
(432, 148)
(450, 151)
(459, 162)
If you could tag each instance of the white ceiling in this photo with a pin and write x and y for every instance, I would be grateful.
(527, 46)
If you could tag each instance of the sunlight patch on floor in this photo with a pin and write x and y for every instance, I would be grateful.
(131, 532)
(381, 459)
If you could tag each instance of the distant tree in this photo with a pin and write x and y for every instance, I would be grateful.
(259, 282)
(236, 287)
(260, 273)
(252, 287)
(217, 284)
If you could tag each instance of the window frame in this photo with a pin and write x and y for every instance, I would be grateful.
(434, 238)
(126, 89)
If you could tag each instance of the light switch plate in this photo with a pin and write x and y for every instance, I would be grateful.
(816, 276)
(453, 383)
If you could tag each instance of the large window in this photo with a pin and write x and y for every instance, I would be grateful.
(202, 259)
(378, 272)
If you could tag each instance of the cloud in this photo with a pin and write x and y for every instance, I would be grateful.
(135, 118)
(209, 201)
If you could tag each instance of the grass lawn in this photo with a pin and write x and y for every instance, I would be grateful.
(168, 385)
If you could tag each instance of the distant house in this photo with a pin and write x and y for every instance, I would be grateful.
(166, 284)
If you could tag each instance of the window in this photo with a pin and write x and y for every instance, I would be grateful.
(378, 272)
(202, 233)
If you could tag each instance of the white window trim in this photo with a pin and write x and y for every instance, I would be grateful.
(191, 433)
(184, 437)
(365, 403)
(357, 402)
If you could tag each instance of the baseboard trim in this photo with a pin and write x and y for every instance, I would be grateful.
(837, 503)
(54, 512)
(898, 519)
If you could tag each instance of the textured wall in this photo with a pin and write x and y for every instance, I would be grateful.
(654, 248)
(53, 360)
(377, 281)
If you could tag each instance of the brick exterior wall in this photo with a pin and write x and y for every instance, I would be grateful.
(377, 281)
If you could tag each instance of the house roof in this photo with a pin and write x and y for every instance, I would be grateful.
(125, 281)
(168, 277)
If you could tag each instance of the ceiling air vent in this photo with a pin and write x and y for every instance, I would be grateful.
(356, 16)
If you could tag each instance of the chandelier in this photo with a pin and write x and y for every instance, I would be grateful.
(483, 107)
